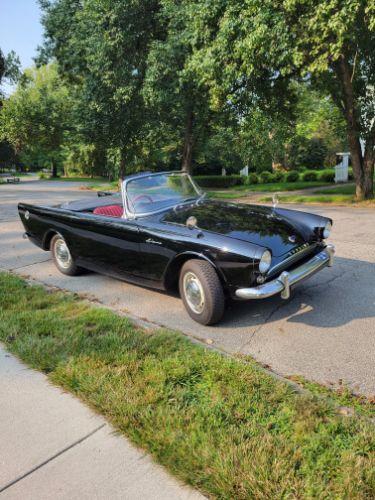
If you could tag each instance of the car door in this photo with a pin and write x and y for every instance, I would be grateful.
(159, 244)
(106, 244)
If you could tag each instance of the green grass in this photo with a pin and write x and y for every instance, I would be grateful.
(77, 179)
(47, 177)
(334, 199)
(222, 425)
(285, 186)
(340, 189)
(105, 186)
(339, 194)
(341, 395)
(273, 187)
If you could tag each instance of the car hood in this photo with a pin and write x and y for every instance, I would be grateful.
(255, 224)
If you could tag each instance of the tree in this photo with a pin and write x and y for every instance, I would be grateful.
(319, 125)
(35, 116)
(171, 89)
(9, 69)
(260, 47)
(101, 46)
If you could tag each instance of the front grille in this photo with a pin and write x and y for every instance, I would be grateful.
(292, 257)
(297, 250)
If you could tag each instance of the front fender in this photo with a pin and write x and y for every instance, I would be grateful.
(172, 271)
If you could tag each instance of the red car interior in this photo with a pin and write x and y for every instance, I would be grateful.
(109, 211)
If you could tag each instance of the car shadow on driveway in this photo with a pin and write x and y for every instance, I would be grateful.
(333, 297)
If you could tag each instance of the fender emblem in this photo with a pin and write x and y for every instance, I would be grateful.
(154, 242)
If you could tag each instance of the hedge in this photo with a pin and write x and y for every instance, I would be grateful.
(266, 177)
(327, 176)
(252, 178)
(310, 176)
(292, 176)
(219, 181)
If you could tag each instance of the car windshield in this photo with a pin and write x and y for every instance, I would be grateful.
(156, 192)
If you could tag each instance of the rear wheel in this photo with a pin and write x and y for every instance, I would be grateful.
(62, 257)
(201, 292)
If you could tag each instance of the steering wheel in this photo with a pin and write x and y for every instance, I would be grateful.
(137, 198)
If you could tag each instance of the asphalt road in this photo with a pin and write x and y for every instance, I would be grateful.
(325, 331)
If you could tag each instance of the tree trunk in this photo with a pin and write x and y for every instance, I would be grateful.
(53, 168)
(363, 167)
(187, 154)
(99, 161)
(368, 167)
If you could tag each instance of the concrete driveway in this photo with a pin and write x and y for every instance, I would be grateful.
(325, 331)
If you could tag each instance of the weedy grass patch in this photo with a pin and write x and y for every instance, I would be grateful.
(224, 426)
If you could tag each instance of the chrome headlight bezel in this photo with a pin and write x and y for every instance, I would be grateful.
(265, 261)
(327, 230)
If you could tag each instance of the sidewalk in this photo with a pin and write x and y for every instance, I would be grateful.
(52, 446)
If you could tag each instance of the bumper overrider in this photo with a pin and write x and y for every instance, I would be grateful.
(287, 279)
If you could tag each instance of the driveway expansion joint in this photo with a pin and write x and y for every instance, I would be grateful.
(50, 459)
(28, 265)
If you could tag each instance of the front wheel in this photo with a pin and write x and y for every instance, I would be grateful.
(201, 292)
(62, 257)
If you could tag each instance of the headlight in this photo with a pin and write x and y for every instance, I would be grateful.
(327, 230)
(265, 262)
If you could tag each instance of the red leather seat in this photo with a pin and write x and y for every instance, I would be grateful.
(109, 211)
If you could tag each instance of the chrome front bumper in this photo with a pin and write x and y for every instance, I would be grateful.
(286, 279)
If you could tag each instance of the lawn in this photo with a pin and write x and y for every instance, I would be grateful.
(285, 186)
(338, 189)
(340, 194)
(241, 191)
(336, 199)
(76, 179)
(222, 425)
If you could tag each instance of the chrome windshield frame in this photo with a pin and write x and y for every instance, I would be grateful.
(130, 214)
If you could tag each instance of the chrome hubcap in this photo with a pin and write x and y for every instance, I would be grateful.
(194, 293)
(62, 253)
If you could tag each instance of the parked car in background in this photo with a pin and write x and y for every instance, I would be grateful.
(162, 232)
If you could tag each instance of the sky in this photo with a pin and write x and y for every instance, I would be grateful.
(20, 29)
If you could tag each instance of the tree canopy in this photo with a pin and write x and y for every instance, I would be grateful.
(206, 84)
(261, 47)
(35, 117)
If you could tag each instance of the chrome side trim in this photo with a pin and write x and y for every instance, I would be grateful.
(286, 279)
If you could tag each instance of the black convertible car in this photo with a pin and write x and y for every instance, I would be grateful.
(162, 232)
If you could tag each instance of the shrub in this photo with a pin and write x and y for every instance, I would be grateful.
(265, 177)
(42, 175)
(219, 181)
(292, 176)
(252, 178)
(278, 176)
(309, 176)
(327, 176)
